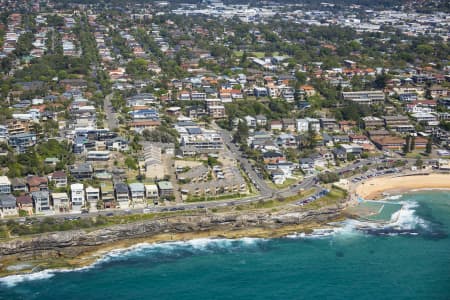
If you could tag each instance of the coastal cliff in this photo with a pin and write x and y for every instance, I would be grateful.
(77, 243)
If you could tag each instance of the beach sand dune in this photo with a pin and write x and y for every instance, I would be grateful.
(373, 188)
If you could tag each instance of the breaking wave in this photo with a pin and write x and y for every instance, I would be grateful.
(159, 251)
(403, 222)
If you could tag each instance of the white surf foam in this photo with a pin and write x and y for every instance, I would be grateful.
(13, 280)
(403, 222)
(201, 245)
(394, 197)
(406, 219)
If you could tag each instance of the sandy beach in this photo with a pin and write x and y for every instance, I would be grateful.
(373, 188)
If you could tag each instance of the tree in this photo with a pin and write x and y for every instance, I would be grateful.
(328, 177)
(241, 134)
(413, 143)
(429, 147)
(406, 147)
(130, 162)
(310, 138)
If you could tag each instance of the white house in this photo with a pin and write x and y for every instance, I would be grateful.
(303, 125)
(137, 192)
(8, 205)
(151, 192)
(5, 185)
(77, 196)
(251, 121)
(92, 197)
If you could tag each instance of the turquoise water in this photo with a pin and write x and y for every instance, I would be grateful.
(408, 259)
(386, 211)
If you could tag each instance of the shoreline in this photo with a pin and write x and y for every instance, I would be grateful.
(83, 249)
(90, 258)
(67, 251)
(377, 188)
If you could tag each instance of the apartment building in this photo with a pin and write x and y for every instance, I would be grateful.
(364, 97)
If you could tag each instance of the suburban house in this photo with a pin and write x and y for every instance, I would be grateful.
(122, 195)
(307, 166)
(92, 197)
(165, 189)
(41, 200)
(277, 176)
(107, 193)
(25, 203)
(19, 185)
(77, 196)
(273, 157)
(151, 192)
(59, 178)
(288, 124)
(276, 125)
(137, 193)
(82, 171)
(5, 185)
(328, 124)
(36, 183)
(61, 202)
(353, 149)
(8, 205)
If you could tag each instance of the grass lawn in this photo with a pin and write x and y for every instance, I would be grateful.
(287, 183)
(214, 198)
(415, 154)
(334, 197)
(274, 203)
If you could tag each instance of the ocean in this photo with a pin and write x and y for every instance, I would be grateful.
(406, 258)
